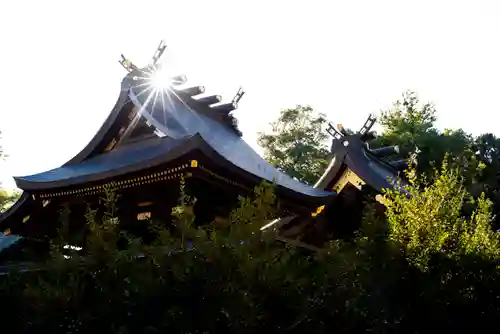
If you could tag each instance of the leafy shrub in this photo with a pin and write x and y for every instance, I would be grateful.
(426, 264)
(425, 220)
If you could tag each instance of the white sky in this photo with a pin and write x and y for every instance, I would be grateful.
(60, 76)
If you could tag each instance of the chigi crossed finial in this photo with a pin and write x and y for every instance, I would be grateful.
(238, 96)
(365, 129)
(130, 66)
(158, 53)
(339, 131)
(365, 134)
(191, 95)
(127, 64)
(334, 132)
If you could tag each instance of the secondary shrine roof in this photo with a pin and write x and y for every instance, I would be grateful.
(372, 170)
(351, 152)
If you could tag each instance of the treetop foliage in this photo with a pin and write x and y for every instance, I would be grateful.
(427, 219)
(298, 143)
(407, 118)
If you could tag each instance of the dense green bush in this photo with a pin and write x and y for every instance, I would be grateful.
(426, 265)
(209, 279)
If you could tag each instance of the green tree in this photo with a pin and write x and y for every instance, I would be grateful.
(487, 149)
(451, 257)
(6, 200)
(411, 125)
(407, 119)
(487, 153)
(297, 144)
(427, 219)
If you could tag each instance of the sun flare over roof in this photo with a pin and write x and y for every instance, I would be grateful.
(155, 78)
(155, 89)
(160, 79)
(155, 81)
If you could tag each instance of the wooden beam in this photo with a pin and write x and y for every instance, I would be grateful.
(212, 99)
(225, 108)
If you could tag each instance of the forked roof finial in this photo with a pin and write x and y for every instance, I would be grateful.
(129, 66)
(159, 52)
(337, 132)
(332, 131)
(238, 96)
(368, 125)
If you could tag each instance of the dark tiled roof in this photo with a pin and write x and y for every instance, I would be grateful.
(355, 156)
(180, 121)
(126, 159)
(189, 118)
(155, 151)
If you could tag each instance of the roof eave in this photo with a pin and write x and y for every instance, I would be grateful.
(190, 144)
(226, 164)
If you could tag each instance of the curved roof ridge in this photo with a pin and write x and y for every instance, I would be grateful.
(105, 127)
